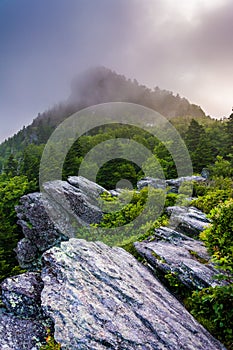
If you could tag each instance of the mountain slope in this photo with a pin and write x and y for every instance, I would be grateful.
(97, 85)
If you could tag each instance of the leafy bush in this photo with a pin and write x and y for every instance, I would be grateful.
(209, 201)
(11, 190)
(219, 236)
(213, 308)
(221, 167)
(135, 205)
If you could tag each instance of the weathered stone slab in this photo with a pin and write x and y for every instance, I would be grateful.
(103, 298)
(169, 251)
(188, 220)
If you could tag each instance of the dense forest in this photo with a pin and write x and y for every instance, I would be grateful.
(210, 145)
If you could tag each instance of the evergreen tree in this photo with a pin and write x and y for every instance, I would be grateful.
(11, 168)
(194, 134)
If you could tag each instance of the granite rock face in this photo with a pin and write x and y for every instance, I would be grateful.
(74, 202)
(103, 298)
(39, 230)
(54, 216)
(169, 251)
(90, 188)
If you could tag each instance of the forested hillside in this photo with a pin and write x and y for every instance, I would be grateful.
(96, 86)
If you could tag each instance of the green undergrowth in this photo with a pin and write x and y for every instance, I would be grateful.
(51, 343)
(213, 306)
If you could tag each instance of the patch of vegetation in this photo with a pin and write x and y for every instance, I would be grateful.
(198, 257)
(51, 343)
(212, 307)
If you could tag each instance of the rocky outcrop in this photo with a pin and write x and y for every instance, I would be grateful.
(56, 214)
(150, 181)
(53, 216)
(94, 296)
(173, 184)
(176, 183)
(90, 188)
(103, 298)
(187, 220)
(171, 252)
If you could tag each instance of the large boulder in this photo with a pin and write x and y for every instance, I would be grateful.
(51, 217)
(171, 252)
(74, 202)
(103, 298)
(39, 229)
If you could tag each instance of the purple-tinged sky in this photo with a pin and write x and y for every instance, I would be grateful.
(184, 46)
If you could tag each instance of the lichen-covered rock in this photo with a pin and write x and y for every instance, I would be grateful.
(103, 298)
(169, 251)
(27, 253)
(21, 294)
(187, 220)
(20, 334)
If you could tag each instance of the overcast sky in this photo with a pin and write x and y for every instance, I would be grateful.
(185, 46)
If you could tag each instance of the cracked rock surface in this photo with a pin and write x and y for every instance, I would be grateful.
(169, 251)
(103, 298)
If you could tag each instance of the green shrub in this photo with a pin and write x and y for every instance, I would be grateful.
(219, 236)
(212, 307)
(209, 201)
